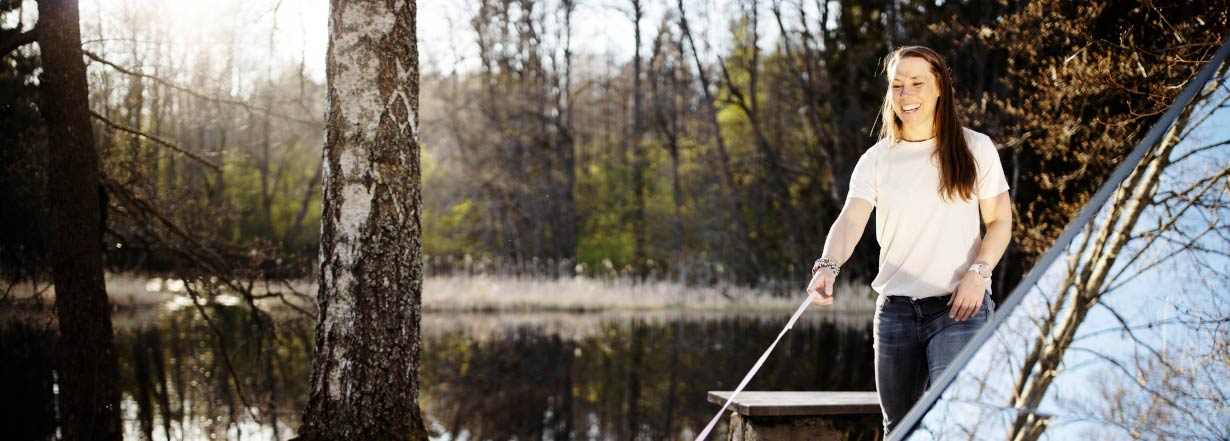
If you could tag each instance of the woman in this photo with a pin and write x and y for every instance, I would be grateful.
(929, 178)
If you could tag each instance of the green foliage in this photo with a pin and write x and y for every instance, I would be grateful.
(444, 232)
(606, 234)
(449, 225)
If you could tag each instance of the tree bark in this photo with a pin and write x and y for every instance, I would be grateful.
(640, 159)
(567, 148)
(134, 102)
(365, 367)
(89, 396)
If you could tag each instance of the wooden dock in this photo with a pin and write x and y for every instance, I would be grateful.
(812, 416)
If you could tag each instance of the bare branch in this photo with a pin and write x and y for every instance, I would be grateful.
(244, 104)
(1199, 322)
(157, 140)
(1201, 149)
(222, 348)
(17, 41)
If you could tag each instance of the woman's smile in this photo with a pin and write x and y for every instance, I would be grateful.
(914, 93)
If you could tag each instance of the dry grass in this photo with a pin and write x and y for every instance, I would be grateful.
(483, 293)
(578, 326)
(487, 294)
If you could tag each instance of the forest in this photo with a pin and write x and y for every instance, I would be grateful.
(718, 151)
(626, 142)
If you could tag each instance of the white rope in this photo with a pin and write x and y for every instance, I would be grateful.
(751, 373)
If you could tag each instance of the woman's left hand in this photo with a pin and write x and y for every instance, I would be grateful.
(967, 301)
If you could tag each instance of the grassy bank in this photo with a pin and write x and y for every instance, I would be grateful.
(471, 294)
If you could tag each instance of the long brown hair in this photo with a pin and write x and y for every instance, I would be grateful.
(957, 168)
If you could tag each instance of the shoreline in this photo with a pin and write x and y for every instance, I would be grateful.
(480, 294)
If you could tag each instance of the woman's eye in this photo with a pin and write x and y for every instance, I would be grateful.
(896, 86)
(916, 84)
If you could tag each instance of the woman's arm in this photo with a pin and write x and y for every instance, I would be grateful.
(843, 237)
(997, 216)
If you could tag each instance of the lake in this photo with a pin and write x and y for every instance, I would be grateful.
(485, 376)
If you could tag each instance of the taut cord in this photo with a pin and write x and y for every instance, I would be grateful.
(756, 367)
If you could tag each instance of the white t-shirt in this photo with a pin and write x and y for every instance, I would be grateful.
(926, 243)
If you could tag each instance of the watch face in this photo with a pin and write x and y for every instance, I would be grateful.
(984, 271)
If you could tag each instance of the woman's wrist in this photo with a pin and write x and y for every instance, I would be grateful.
(982, 269)
(825, 262)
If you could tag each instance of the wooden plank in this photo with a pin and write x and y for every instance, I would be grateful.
(753, 403)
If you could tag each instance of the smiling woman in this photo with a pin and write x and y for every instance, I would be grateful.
(1120, 330)
(912, 98)
(922, 177)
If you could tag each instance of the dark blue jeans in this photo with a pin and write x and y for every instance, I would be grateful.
(915, 340)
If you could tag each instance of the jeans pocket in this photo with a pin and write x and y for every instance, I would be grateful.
(990, 306)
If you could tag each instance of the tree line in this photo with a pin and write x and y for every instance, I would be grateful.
(553, 163)
(727, 147)
(740, 154)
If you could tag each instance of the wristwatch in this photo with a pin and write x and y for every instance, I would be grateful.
(983, 270)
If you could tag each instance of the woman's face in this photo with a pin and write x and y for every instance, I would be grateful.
(915, 93)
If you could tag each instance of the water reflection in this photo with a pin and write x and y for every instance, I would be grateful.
(1125, 334)
(27, 359)
(484, 376)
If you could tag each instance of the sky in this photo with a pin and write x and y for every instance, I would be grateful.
(446, 41)
(300, 27)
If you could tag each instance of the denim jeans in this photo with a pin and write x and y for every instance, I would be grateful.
(915, 340)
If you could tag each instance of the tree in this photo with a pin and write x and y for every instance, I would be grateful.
(365, 366)
(634, 141)
(1095, 275)
(89, 394)
(728, 180)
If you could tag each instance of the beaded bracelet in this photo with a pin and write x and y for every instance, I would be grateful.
(825, 262)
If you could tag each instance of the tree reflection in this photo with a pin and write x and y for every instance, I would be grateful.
(178, 383)
(644, 376)
(27, 358)
(631, 380)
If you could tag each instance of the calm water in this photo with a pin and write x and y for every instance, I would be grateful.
(484, 376)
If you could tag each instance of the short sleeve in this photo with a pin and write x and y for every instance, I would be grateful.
(862, 181)
(991, 179)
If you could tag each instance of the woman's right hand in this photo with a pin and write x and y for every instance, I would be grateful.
(821, 287)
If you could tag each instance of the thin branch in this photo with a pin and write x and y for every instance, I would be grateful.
(222, 347)
(1200, 149)
(1170, 224)
(194, 93)
(157, 140)
(4, 299)
(17, 41)
(1152, 325)
(213, 262)
(1127, 372)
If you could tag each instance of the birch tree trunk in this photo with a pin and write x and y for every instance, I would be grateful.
(89, 397)
(365, 366)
